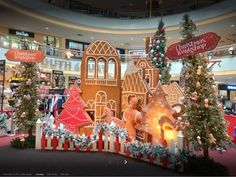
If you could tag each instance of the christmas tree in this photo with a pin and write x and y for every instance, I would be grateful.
(158, 53)
(74, 113)
(27, 102)
(207, 127)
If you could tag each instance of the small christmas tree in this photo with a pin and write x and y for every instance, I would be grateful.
(74, 113)
(27, 102)
(207, 127)
(158, 53)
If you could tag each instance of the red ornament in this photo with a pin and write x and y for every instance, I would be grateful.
(162, 30)
(74, 114)
(156, 37)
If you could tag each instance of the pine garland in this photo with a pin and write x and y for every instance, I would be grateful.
(3, 121)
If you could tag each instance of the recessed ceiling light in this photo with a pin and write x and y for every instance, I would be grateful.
(122, 43)
(91, 37)
(46, 28)
(131, 39)
(168, 37)
(232, 26)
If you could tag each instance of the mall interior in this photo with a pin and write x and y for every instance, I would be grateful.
(63, 29)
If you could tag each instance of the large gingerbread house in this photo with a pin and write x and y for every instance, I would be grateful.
(140, 78)
(101, 79)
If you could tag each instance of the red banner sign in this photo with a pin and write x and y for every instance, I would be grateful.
(25, 55)
(199, 44)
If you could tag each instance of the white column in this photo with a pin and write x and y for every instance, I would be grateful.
(180, 138)
(122, 146)
(38, 134)
(172, 146)
(111, 145)
(49, 142)
(106, 142)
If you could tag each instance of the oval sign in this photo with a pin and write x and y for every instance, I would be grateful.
(199, 44)
(34, 56)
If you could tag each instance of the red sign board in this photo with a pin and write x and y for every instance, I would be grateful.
(25, 55)
(199, 44)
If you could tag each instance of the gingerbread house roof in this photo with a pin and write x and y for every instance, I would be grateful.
(174, 93)
(144, 63)
(134, 82)
(101, 47)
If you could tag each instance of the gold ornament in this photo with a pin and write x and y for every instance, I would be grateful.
(194, 96)
(199, 70)
(199, 140)
(212, 138)
(198, 84)
(206, 103)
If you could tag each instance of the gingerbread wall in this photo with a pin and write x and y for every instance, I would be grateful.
(101, 78)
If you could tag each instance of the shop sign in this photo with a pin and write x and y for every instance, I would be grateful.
(33, 56)
(199, 44)
(231, 87)
(21, 33)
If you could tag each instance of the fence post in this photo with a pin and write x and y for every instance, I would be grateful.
(38, 134)
(106, 142)
(49, 142)
(60, 143)
(122, 146)
(180, 138)
(172, 146)
(111, 143)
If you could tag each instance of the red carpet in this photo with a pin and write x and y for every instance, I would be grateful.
(232, 123)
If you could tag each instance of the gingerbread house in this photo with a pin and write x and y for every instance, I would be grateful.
(134, 83)
(101, 79)
(174, 93)
(151, 74)
(140, 78)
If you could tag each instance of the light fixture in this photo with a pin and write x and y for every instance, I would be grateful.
(131, 38)
(232, 26)
(69, 54)
(46, 28)
(170, 38)
(91, 37)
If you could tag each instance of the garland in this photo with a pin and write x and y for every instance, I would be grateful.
(83, 141)
(135, 147)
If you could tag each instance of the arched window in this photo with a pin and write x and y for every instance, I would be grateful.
(101, 69)
(91, 68)
(111, 69)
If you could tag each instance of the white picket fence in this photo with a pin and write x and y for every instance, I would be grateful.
(106, 143)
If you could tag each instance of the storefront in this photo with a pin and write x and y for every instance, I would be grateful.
(14, 39)
(76, 48)
(52, 44)
(227, 91)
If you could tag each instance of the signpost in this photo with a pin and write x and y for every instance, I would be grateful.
(25, 55)
(193, 46)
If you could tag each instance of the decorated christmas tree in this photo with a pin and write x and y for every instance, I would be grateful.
(207, 127)
(74, 113)
(158, 53)
(27, 100)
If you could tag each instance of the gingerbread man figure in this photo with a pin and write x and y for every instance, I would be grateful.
(132, 116)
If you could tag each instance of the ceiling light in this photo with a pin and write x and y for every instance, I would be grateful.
(144, 39)
(46, 28)
(91, 37)
(168, 37)
(232, 26)
(122, 43)
(131, 39)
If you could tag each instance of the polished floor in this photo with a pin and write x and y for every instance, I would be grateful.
(28, 162)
